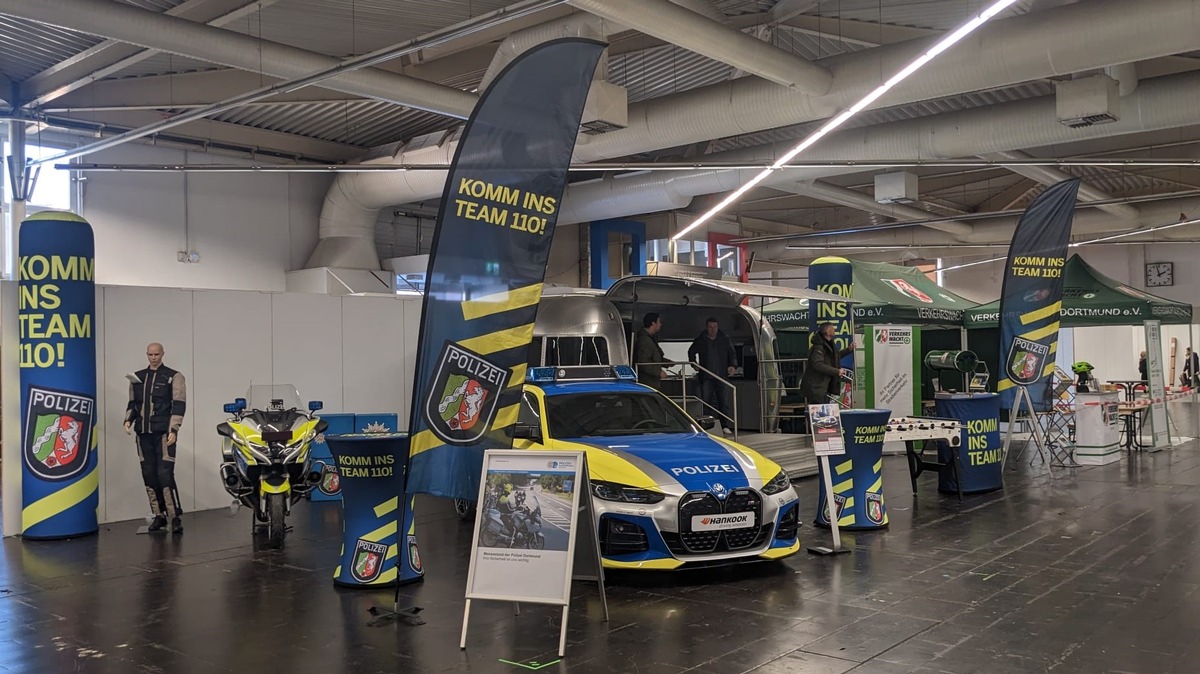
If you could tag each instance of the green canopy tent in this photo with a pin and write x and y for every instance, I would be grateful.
(889, 294)
(1092, 299)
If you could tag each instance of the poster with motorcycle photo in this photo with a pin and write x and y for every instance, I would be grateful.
(525, 534)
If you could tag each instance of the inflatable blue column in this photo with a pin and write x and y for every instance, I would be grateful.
(833, 275)
(60, 486)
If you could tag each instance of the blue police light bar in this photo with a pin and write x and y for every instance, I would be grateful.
(540, 375)
(625, 372)
(231, 408)
(240, 402)
(550, 375)
(314, 405)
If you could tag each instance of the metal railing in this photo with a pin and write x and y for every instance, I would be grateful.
(786, 368)
(683, 398)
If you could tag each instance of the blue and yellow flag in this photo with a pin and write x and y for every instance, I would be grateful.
(488, 262)
(1031, 296)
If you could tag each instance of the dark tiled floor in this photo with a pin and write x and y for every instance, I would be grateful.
(1095, 571)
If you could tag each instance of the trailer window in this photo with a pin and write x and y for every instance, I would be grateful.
(562, 351)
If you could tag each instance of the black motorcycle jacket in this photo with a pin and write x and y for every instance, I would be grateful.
(157, 404)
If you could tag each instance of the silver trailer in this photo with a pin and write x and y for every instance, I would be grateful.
(584, 327)
(577, 326)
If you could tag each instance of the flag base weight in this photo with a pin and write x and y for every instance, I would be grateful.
(824, 551)
(407, 616)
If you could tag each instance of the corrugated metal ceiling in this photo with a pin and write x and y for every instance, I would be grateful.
(27, 47)
(345, 27)
(935, 14)
(894, 114)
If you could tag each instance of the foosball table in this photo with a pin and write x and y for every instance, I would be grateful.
(921, 433)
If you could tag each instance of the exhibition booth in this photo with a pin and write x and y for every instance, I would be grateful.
(1104, 324)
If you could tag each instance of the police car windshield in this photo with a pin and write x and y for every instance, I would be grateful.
(580, 415)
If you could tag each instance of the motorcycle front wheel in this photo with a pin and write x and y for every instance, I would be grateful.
(276, 512)
(537, 542)
(489, 539)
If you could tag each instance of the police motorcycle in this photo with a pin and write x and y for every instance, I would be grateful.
(266, 464)
(513, 520)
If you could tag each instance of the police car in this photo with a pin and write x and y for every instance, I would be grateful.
(668, 494)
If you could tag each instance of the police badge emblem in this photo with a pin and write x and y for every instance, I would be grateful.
(875, 508)
(58, 433)
(464, 397)
(1025, 359)
(331, 482)
(368, 560)
(414, 557)
(839, 503)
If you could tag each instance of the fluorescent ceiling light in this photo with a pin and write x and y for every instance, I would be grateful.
(1135, 232)
(1181, 223)
(941, 46)
(941, 269)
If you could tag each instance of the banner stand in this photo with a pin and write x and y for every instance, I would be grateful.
(837, 548)
(1022, 396)
(497, 572)
(828, 441)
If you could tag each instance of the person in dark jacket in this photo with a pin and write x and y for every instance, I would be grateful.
(713, 351)
(1191, 368)
(157, 403)
(822, 376)
(1142, 367)
(647, 350)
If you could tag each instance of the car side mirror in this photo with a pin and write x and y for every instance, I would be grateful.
(224, 429)
(706, 422)
(527, 432)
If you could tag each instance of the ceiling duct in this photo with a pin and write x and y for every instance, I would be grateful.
(896, 188)
(1020, 49)
(1088, 101)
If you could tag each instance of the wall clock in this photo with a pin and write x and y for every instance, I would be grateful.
(1159, 274)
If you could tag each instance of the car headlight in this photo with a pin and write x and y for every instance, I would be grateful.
(611, 491)
(777, 484)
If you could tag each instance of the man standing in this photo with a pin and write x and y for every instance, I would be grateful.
(714, 351)
(822, 377)
(157, 403)
(1191, 367)
(647, 350)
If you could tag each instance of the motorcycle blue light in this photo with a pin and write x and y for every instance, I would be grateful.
(231, 408)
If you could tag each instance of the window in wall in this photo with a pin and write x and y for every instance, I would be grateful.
(53, 189)
(728, 260)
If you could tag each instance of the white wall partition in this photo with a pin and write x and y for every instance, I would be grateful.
(249, 228)
(355, 354)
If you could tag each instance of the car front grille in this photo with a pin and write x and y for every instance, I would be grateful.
(688, 542)
(690, 506)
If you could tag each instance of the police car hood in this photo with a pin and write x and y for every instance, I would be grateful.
(693, 461)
